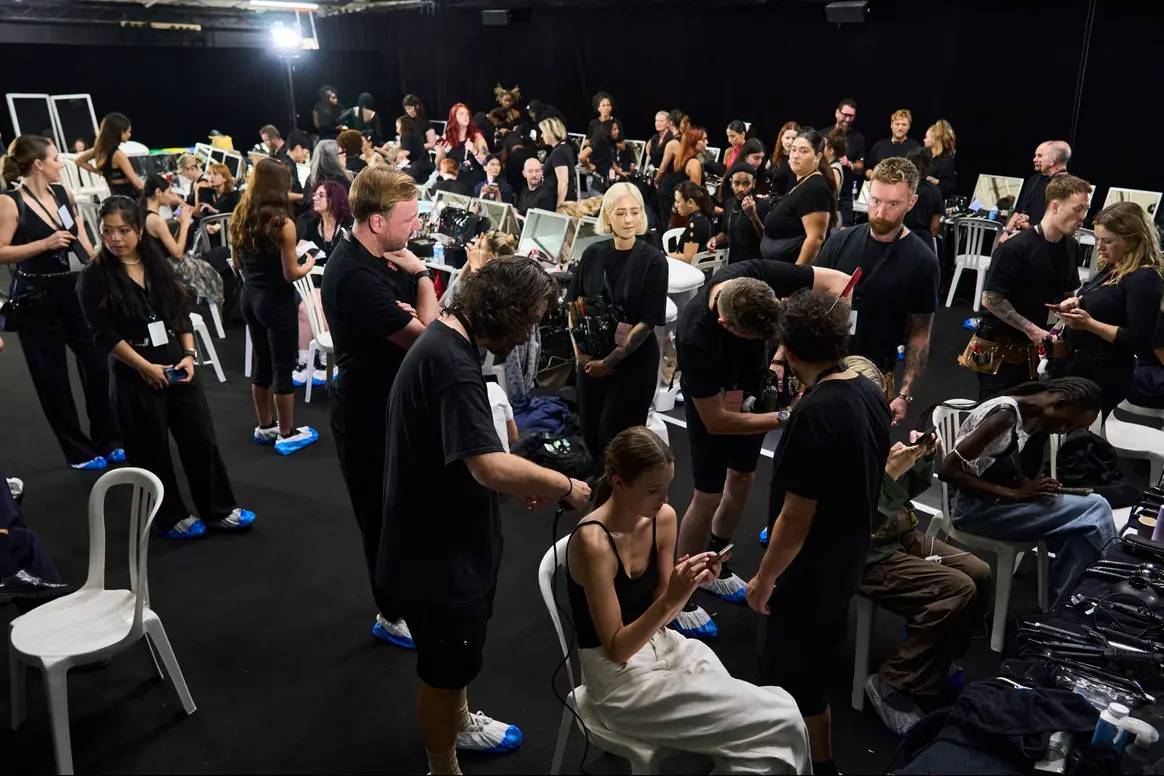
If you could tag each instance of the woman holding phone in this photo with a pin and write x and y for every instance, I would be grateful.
(137, 309)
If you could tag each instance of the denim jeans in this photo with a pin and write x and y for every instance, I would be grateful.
(1075, 528)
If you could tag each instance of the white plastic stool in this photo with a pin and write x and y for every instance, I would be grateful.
(866, 614)
(216, 316)
(207, 353)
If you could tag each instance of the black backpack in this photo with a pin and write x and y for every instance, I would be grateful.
(1088, 461)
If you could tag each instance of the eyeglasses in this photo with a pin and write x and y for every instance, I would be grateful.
(849, 116)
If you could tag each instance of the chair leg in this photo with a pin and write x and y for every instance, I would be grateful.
(17, 675)
(1044, 571)
(56, 687)
(157, 634)
(643, 765)
(560, 746)
(311, 349)
(247, 353)
(216, 316)
(866, 611)
(954, 285)
(211, 354)
(154, 657)
(979, 282)
(1002, 597)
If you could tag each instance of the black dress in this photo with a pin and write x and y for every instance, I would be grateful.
(471, 171)
(119, 184)
(636, 281)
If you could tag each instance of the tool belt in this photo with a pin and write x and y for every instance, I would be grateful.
(987, 356)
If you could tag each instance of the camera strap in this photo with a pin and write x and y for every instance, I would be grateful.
(881, 262)
(461, 319)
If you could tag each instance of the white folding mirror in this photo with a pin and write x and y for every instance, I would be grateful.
(996, 191)
(1149, 200)
(32, 114)
(547, 233)
(75, 119)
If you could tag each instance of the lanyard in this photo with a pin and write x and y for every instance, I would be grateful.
(51, 219)
(465, 325)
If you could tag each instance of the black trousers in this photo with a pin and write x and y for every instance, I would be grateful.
(44, 337)
(608, 405)
(360, 446)
(990, 386)
(20, 548)
(273, 318)
(147, 418)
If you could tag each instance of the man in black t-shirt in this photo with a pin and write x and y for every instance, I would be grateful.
(294, 151)
(722, 340)
(899, 143)
(1035, 268)
(826, 478)
(440, 548)
(367, 300)
(853, 161)
(897, 295)
(536, 194)
(1051, 159)
(742, 223)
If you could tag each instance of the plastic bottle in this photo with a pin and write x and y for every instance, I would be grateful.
(1138, 738)
(1158, 531)
(993, 216)
(1107, 727)
(438, 252)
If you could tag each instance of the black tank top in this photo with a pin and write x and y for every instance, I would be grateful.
(32, 226)
(658, 146)
(635, 595)
(263, 270)
(118, 183)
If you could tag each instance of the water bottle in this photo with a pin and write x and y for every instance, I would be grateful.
(993, 216)
(1158, 530)
(438, 252)
(1140, 751)
(1108, 725)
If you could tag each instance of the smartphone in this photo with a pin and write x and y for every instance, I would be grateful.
(174, 375)
(928, 436)
(1075, 491)
(723, 553)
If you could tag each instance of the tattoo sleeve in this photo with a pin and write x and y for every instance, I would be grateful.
(1005, 312)
(917, 348)
(636, 337)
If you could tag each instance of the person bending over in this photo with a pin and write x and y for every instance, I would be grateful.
(994, 499)
(826, 476)
(722, 342)
(644, 679)
(440, 546)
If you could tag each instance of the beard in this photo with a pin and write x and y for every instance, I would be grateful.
(883, 226)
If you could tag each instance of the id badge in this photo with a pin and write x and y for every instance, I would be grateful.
(852, 323)
(66, 217)
(620, 334)
(75, 264)
(158, 336)
(733, 401)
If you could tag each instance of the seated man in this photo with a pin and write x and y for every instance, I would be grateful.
(940, 601)
(26, 570)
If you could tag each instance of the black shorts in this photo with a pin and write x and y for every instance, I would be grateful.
(713, 454)
(798, 651)
(450, 640)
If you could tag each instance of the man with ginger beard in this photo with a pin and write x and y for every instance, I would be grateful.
(895, 299)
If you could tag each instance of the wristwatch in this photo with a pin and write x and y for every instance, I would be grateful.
(783, 416)
(424, 273)
(190, 353)
(908, 398)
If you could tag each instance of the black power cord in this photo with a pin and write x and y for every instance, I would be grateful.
(570, 639)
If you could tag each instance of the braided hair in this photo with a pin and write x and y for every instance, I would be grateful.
(1079, 391)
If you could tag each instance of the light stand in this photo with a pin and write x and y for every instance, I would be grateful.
(287, 57)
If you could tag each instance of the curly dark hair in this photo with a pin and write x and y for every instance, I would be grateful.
(501, 300)
(814, 326)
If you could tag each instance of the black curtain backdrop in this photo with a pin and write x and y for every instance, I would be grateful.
(1005, 74)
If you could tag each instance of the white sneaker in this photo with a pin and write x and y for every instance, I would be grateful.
(266, 436)
(696, 624)
(299, 376)
(485, 734)
(731, 588)
(16, 485)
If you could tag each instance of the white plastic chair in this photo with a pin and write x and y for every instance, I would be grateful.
(94, 623)
(248, 352)
(320, 337)
(643, 757)
(671, 240)
(947, 419)
(710, 261)
(866, 615)
(1132, 440)
(205, 345)
(974, 241)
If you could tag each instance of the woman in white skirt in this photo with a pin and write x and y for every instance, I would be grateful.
(643, 679)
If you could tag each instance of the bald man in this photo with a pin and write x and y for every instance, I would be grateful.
(1051, 158)
(536, 193)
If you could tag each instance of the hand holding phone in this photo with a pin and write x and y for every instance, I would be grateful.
(723, 554)
(927, 438)
(174, 375)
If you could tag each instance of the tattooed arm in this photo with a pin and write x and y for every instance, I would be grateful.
(996, 303)
(917, 352)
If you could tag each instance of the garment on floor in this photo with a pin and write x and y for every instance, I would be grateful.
(541, 414)
(675, 693)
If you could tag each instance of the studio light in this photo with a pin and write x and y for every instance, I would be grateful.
(286, 38)
(286, 5)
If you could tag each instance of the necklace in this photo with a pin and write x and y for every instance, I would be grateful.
(130, 263)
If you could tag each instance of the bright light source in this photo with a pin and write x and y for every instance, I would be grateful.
(286, 38)
(287, 5)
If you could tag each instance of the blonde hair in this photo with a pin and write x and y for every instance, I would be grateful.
(901, 113)
(612, 195)
(897, 169)
(224, 171)
(553, 127)
(499, 243)
(377, 190)
(944, 134)
(188, 160)
(1129, 222)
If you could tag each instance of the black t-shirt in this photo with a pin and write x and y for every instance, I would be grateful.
(1031, 272)
(854, 151)
(885, 148)
(562, 155)
(711, 359)
(635, 280)
(930, 203)
(597, 126)
(360, 292)
(1132, 304)
(832, 451)
(309, 227)
(698, 231)
(743, 240)
(942, 168)
(283, 156)
(462, 186)
(441, 539)
(899, 279)
(542, 198)
(781, 178)
(1032, 198)
(811, 195)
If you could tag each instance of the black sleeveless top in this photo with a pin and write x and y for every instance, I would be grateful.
(263, 270)
(32, 226)
(470, 169)
(656, 146)
(635, 595)
(118, 183)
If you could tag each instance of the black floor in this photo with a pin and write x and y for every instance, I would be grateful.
(272, 628)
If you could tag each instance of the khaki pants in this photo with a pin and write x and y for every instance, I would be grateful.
(940, 603)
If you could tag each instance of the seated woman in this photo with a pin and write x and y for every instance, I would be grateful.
(780, 175)
(684, 165)
(1112, 319)
(643, 679)
(328, 164)
(494, 187)
(737, 133)
(189, 175)
(219, 194)
(324, 226)
(197, 274)
(448, 179)
(351, 144)
(994, 499)
(693, 203)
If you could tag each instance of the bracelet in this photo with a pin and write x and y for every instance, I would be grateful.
(908, 399)
(424, 273)
(190, 353)
(571, 490)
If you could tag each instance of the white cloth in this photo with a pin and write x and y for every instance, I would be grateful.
(991, 451)
(502, 412)
(674, 692)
